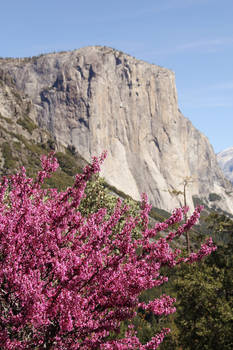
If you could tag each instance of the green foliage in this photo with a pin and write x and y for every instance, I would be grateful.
(204, 318)
(214, 197)
(17, 146)
(204, 290)
(67, 163)
(221, 227)
(27, 123)
(27, 153)
(204, 293)
(9, 160)
(159, 214)
(205, 309)
(59, 180)
(98, 196)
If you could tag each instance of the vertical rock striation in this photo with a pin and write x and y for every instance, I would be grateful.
(97, 98)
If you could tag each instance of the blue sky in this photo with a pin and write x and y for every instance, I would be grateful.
(194, 38)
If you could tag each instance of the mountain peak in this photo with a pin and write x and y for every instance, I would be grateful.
(98, 98)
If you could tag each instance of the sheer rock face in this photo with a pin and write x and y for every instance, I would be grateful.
(97, 98)
(225, 160)
(14, 105)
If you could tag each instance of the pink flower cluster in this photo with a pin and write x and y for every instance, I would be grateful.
(67, 281)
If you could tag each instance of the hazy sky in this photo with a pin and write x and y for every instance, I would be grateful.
(194, 38)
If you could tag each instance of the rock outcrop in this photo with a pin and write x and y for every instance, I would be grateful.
(97, 98)
(225, 161)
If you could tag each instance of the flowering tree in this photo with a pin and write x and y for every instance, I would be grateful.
(68, 281)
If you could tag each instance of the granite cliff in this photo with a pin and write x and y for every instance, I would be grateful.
(22, 141)
(98, 98)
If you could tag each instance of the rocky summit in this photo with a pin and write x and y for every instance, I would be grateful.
(98, 98)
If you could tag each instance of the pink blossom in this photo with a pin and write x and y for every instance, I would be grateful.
(67, 281)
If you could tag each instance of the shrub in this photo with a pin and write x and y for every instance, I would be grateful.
(214, 197)
(9, 160)
(27, 123)
(68, 281)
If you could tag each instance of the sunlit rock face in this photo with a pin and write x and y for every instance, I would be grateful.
(225, 160)
(98, 98)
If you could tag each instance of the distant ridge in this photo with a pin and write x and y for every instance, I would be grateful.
(225, 160)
